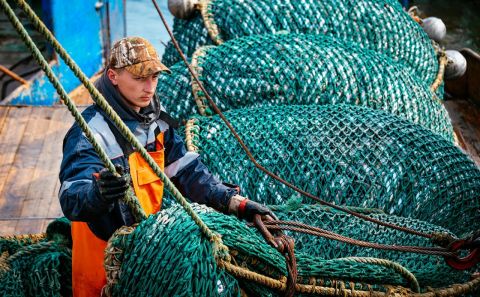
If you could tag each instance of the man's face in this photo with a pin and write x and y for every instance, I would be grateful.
(138, 91)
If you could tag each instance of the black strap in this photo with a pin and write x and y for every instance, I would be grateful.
(168, 119)
(126, 147)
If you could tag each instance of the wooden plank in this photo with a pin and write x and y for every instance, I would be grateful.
(54, 209)
(473, 74)
(20, 174)
(31, 181)
(465, 117)
(3, 116)
(44, 178)
(10, 137)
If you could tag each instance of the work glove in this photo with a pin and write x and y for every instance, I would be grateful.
(110, 187)
(246, 209)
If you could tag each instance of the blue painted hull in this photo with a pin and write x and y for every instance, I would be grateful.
(86, 30)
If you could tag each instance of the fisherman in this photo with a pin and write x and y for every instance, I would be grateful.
(90, 195)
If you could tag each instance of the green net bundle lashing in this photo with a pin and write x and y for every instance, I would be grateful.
(344, 154)
(379, 25)
(300, 69)
(37, 265)
(169, 251)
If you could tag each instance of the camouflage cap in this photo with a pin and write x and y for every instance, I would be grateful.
(137, 56)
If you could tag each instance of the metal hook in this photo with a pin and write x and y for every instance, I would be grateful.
(471, 243)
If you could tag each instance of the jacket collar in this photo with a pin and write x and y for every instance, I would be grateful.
(116, 100)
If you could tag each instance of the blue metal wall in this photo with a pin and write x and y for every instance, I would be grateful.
(81, 29)
(118, 24)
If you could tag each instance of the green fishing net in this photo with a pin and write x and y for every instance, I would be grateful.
(430, 270)
(37, 267)
(380, 25)
(300, 69)
(347, 155)
(167, 255)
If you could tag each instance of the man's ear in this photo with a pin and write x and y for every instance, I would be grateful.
(112, 76)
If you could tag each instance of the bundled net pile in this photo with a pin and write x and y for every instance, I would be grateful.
(336, 52)
(344, 154)
(168, 250)
(300, 69)
(37, 265)
(380, 25)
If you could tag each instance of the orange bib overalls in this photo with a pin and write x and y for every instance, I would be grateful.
(88, 273)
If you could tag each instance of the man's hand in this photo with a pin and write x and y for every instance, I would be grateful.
(109, 186)
(252, 208)
(247, 209)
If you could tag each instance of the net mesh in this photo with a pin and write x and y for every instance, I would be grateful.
(427, 269)
(367, 53)
(380, 25)
(169, 251)
(300, 69)
(31, 266)
(348, 155)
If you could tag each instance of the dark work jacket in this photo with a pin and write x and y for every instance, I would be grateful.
(78, 198)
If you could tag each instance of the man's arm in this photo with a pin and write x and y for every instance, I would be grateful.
(194, 180)
(192, 177)
(79, 196)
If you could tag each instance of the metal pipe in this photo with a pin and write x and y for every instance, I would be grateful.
(13, 75)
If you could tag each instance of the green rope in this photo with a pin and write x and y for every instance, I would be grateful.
(36, 248)
(390, 264)
(38, 265)
(131, 201)
(4, 265)
(103, 104)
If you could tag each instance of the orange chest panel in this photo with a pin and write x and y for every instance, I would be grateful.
(88, 273)
(147, 185)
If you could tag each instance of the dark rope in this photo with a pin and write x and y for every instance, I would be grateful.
(254, 161)
(219, 248)
(315, 231)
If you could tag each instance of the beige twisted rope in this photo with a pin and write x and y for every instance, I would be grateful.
(190, 128)
(197, 92)
(442, 62)
(392, 291)
(26, 238)
(4, 266)
(209, 21)
(390, 264)
(113, 259)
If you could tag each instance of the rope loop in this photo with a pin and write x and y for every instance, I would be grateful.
(209, 21)
(442, 62)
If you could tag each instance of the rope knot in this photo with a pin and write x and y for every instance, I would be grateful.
(286, 246)
(220, 251)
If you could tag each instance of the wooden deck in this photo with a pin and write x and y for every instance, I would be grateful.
(30, 157)
(465, 117)
(463, 105)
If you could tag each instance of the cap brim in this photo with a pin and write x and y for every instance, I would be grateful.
(147, 68)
